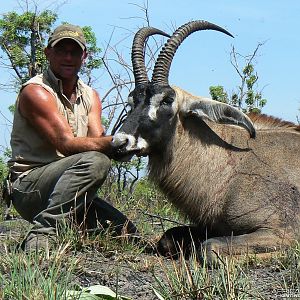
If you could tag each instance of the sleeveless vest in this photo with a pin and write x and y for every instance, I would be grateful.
(29, 148)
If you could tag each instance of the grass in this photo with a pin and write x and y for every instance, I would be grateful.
(233, 278)
(196, 279)
(51, 272)
(77, 259)
(289, 263)
(36, 275)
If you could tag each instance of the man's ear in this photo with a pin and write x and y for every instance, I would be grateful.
(84, 56)
(47, 52)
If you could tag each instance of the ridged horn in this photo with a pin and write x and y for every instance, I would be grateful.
(138, 53)
(163, 63)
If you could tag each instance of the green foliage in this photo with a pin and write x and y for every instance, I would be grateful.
(122, 178)
(22, 39)
(253, 99)
(246, 97)
(144, 204)
(146, 190)
(105, 122)
(3, 169)
(12, 108)
(93, 59)
(218, 93)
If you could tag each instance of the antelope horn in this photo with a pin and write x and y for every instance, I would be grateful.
(163, 63)
(138, 53)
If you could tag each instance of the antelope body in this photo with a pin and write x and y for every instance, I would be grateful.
(241, 192)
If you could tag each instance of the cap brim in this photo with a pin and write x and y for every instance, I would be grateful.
(68, 38)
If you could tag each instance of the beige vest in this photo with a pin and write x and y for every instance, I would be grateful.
(29, 148)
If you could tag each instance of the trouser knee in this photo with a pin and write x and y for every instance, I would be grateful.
(98, 164)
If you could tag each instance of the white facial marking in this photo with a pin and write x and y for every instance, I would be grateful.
(154, 105)
(120, 138)
(141, 143)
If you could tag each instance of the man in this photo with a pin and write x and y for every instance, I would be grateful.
(60, 154)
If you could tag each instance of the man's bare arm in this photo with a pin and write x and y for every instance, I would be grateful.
(38, 106)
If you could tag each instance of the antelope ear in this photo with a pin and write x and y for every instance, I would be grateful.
(218, 112)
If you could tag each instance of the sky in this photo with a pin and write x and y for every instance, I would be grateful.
(203, 59)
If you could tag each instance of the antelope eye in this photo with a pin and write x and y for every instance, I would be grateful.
(167, 101)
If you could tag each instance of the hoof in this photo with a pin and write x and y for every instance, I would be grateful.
(178, 241)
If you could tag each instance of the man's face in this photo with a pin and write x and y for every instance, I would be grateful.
(65, 58)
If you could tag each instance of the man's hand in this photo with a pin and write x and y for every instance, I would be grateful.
(119, 152)
(122, 149)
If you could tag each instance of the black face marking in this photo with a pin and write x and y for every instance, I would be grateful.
(150, 118)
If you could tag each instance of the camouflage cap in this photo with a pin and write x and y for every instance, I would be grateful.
(67, 31)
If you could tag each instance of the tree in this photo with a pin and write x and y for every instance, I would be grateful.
(246, 97)
(22, 39)
(93, 60)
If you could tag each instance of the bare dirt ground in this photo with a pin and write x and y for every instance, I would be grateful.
(134, 275)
